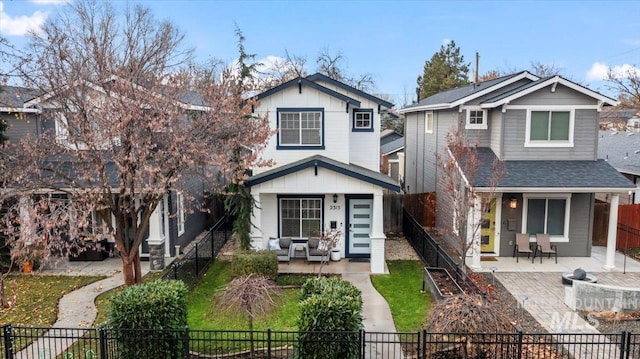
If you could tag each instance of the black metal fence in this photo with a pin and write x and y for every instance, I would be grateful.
(433, 255)
(201, 255)
(105, 343)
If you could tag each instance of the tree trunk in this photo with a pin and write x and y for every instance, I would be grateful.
(128, 270)
(137, 268)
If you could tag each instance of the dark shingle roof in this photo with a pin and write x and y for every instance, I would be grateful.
(321, 77)
(350, 170)
(392, 146)
(551, 174)
(621, 150)
(455, 94)
(14, 96)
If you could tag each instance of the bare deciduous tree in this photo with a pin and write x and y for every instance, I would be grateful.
(132, 123)
(460, 167)
(627, 85)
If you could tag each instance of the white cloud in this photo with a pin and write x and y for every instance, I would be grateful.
(50, 2)
(20, 25)
(600, 71)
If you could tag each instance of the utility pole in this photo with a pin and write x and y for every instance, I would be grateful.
(477, 64)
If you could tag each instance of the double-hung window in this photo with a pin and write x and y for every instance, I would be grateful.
(476, 119)
(547, 214)
(363, 120)
(549, 128)
(300, 217)
(300, 128)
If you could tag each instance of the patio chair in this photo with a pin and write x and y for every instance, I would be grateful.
(315, 253)
(280, 246)
(522, 246)
(544, 246)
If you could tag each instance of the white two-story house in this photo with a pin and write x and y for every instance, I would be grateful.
(546, 132)
(326, 172)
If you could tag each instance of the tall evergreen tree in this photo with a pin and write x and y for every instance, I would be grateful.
(445, 70)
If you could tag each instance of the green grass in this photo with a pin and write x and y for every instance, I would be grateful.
(37, 297)
(401, 288)
(205, 313)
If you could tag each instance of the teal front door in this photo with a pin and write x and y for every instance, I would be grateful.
(359, 227)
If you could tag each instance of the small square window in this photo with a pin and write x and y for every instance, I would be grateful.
(363, 120)
(476, 119)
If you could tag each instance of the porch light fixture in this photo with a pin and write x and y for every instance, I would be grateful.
(335, 198)
(513, 203)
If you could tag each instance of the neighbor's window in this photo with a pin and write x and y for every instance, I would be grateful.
(300, 127)
(476, 119)
(300, 217)
(363, 120)
(547, 215)
(428, 122)
(550, 128)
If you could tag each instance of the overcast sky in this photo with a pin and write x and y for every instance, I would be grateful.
(393, 39)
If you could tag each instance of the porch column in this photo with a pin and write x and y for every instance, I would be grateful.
(156, 239)
(377, 235)
(610, 262)
(473, 234)
(257, 239)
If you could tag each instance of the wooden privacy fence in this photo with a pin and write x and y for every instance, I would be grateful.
(628, 226)
(392, 203)
(600, 223)
(422, 207)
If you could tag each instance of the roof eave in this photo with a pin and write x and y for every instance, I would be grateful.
(555, 189)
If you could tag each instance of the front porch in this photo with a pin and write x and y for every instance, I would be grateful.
(595, 263)
(343, 266)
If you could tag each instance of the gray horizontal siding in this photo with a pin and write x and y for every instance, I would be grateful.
(495, 132)
(562, 96)
(585, 139)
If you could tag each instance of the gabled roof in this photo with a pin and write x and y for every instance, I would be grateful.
(621, 150)
(300, 81)
(551, 176)
(350, 170)
(393, 146)
(13, 98)
(320, 77)
(461, 95)
(507, 97)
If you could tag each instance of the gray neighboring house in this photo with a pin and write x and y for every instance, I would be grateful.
(181, 223)
(546, 132)
(391, 156)
(622, 151)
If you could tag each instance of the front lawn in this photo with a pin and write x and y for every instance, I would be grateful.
(401, 288)
(205, 313)
(37, 297)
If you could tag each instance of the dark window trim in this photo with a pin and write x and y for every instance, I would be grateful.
(353, 120)
(301, 196)
(299, 109)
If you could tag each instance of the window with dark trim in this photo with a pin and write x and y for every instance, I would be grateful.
(300, 127)
(300, 217)
(362, 120)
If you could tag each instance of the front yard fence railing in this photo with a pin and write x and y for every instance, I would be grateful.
(195, 261)
(433, 255)
(105, 343)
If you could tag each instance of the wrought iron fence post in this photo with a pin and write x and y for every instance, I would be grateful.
(104, 354)
(362, 344)
(197, 264)
(185, 340)
(437, 255)
(520, 336)
(422, 339)
(268, 343)
(624, 345)
(7, 333)
(175, 271)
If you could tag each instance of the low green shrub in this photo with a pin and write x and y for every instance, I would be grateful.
(264, 263)
(141, 312)
(330, 311)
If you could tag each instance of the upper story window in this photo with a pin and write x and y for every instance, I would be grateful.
(428, 122)
(552, 128)
(363, 120)
(301, 128)
(476, 119)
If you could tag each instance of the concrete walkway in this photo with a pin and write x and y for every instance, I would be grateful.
(76, 309)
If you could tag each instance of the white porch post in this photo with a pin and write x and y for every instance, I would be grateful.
(156, 239)
(377, 235)
(257, 239)
(610, 262)
(473, 235)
